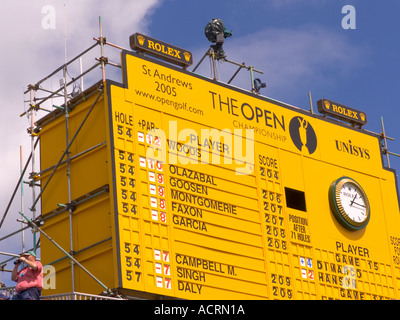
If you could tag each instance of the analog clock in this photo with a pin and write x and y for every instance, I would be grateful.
(349, 203)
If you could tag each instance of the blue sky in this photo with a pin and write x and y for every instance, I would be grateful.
(300, 46)
(359, 68)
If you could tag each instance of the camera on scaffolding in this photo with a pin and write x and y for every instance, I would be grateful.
(216, 33)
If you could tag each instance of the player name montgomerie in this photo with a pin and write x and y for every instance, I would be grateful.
(203, 202)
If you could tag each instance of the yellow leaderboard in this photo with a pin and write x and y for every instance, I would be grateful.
(221, 194)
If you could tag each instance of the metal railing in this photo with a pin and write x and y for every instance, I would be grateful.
(8, 292)
(78, 296)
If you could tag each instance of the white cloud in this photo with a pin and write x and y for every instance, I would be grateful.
(30, 52)
(292, 60)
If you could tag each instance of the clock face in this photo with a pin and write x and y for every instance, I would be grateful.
(349, 203)
(353, 202)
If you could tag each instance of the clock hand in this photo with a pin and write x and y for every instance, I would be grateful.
(358, 204)
(355, 196)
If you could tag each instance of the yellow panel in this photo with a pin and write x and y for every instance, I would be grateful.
(226, 209)
(200, 208)
(91, 221)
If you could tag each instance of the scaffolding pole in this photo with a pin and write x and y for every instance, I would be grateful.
(66, 150)
(68, 162)
(102, 59)
(34, 226)
(66, 158)
(210, 52)
(33, 134)
(385, 150)
(17, 186)
(22, 196)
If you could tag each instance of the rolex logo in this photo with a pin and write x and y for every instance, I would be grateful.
(342, 112)
(141, 40)
(187, 56)
(160, 49)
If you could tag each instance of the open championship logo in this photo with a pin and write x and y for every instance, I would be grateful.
(303, 135)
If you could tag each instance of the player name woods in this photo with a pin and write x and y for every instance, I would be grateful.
(238, 146)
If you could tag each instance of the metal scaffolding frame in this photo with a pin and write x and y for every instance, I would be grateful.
(69, 102)
(213, 58)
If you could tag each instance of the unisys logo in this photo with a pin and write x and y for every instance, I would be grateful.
(352, 149)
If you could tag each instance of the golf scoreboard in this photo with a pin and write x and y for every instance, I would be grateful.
(213, 192)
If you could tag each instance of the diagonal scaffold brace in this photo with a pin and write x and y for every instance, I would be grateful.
(34, 226)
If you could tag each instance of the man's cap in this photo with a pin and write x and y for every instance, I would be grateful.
(28, 253)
